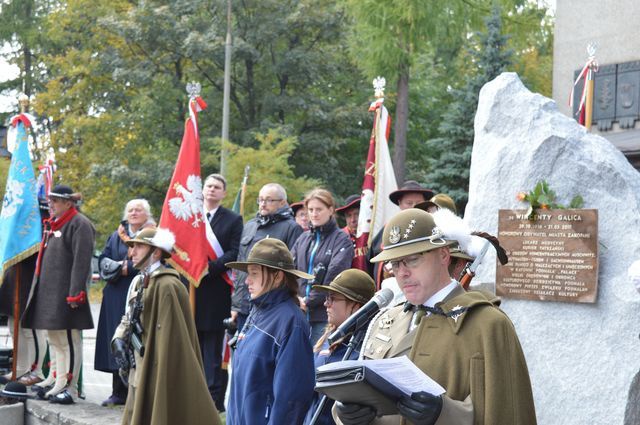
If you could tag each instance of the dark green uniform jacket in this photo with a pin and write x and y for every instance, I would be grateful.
(472, 351)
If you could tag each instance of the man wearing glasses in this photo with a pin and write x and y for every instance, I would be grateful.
(461, 339)
(274, 219)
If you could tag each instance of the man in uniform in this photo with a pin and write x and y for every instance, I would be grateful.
(213, 296)
(166, 380)
(410, 194)
(58, 300)
(461, 339)
(274, 220)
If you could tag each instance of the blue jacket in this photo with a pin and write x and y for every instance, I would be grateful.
(273, 374)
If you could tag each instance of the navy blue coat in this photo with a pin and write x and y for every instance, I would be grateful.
(213, 296)
(114, 299)
(273, 375)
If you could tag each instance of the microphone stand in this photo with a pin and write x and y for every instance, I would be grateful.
(355, 341)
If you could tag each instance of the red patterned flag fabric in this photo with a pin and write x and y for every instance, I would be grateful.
(182, 211)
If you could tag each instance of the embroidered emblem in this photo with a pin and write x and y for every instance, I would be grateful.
(394, 235)
(436, 233)
(456, 312)
(188, 204)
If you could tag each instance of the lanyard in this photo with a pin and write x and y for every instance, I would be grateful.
(312, 256)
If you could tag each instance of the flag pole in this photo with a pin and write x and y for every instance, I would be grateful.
(226, 92)
(593, 68)
(16, 323)
(243, 188)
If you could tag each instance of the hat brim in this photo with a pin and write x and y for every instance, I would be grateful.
(393, 253)
(352, 204)
(460, 254)
(243, 265)
(395, 196)
(351, 296)
(130, 243)
(21, 396)
(424, 205)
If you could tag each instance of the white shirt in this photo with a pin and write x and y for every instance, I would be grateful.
(435, 299)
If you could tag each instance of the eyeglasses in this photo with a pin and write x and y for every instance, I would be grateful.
(332, 299)
(409, 262)
(267, 200)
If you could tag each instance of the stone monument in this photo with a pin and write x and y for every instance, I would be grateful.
(582, 358)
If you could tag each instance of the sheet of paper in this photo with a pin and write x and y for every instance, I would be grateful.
(399, 371)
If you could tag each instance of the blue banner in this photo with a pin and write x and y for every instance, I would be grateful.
(20, 224)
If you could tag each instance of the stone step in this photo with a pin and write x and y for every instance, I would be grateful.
(39, 412)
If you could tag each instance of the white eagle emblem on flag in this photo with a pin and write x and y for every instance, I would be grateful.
(189, 205)
(12, 198)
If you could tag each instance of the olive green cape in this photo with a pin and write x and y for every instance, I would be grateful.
(171, 384)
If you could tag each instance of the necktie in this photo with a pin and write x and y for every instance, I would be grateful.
(208, 216)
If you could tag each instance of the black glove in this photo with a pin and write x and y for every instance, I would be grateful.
(422, 408)
(119, 351)
(355, 414)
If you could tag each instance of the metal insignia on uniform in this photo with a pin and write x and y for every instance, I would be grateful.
(394, 235)
(385, 322)
(384, 338)
(57, 233)
(455, 315)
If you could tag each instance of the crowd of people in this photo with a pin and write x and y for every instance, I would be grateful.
(284, 284)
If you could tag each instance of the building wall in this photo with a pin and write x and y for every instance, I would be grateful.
(614, 25)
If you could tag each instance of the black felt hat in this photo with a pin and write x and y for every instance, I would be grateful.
(352, 201)
(61, 191)
(15, 389)
(408, 187)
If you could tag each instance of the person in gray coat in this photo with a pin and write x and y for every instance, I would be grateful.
(274, 219)
(58, 300)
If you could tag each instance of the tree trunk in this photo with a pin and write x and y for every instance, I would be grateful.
(401, 123)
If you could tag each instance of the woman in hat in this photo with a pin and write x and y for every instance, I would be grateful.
(349, 291)
(117, 270)
(273, 375)
(324, 251)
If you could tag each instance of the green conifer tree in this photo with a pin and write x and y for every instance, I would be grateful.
(449, 165)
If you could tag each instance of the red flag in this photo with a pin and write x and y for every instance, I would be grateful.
(379, 181)
(183, 211)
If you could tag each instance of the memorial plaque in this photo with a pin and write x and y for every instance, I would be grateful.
(551, 258)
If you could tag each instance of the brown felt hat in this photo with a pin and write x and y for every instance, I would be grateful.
(354, 284)
(296, 206)
(440, 200)
(408, 187)
(272, 253)
(409, 232)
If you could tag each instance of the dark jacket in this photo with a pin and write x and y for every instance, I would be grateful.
(114, 299)
(332, 256)
(280, 225)
(64, 272)
(321, 358)
(213, 296)
(273, 375)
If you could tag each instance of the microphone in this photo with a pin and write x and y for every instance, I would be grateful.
(361, 317)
